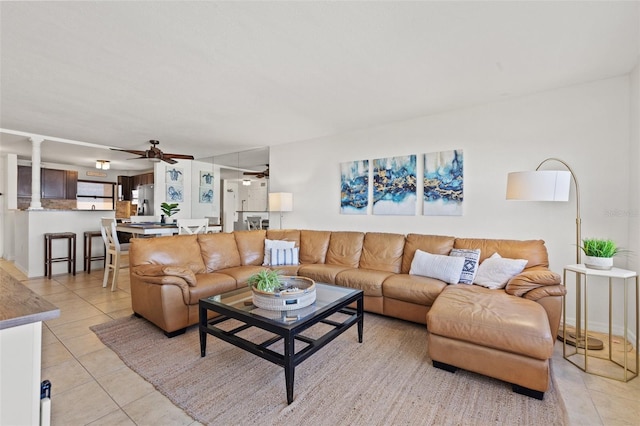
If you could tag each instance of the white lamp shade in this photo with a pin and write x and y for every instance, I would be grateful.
(540, 185)
(280, 202)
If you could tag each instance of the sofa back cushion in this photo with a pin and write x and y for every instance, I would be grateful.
(177, 250)
(219, 251)
(533, 250)
(284, 235)
(382, 252)
(314, 246)
(251, 246)
(434, 244)
(345, 248)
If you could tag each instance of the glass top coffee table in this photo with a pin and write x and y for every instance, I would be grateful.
(288, 326)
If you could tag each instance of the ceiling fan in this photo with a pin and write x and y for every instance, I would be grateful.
(259, 175)
(154, 154)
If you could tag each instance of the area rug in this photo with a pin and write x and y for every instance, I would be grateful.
(387, 379)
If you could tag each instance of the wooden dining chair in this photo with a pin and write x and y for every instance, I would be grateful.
(192, 226)
(113, 251)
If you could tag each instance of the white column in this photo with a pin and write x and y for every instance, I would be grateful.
(35, 173)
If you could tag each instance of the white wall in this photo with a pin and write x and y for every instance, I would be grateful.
(586, 125)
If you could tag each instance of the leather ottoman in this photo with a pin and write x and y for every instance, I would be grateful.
(492, 333)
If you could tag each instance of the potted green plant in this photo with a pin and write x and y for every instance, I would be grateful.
(599, 253)
(266, 280)
(169, 209)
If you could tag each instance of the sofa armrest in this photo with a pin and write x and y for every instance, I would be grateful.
(549, 290)
(532, 279)
(152, 272)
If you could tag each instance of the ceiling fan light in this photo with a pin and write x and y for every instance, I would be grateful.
(103, 164)
(246, 182)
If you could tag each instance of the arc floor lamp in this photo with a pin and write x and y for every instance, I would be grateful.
(554, 185)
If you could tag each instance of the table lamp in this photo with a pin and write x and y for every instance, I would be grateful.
(280, 202)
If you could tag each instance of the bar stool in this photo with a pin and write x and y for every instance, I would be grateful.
(88, 254)
(71, 251)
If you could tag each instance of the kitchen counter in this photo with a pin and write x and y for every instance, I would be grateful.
(31, 225)
(21, 314)
(19, 305)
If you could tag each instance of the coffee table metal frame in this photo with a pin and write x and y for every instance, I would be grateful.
(289, 330)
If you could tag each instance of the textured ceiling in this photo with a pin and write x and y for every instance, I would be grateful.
(209, 78)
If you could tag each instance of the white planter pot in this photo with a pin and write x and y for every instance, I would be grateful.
(602, 263)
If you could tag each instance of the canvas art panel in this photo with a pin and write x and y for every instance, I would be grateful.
(175, 193)
(206, 195)
(206, 178)
(174, 175)
(443, 183)
(394, 185)
(354, 187)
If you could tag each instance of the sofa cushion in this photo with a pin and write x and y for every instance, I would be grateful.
(367, 280)
(274, 244)
(440, 267)
(435, 244)
(493, 319)
(176, 250)
(533, 250)
(314, 246)
(412, 288)
(382, 252)
(284, 235)
(471, 262)
(496, 271)
(219, 251)
(210, 284)
(251, 246)
(345, 248)
(241, 273)
(321, 273)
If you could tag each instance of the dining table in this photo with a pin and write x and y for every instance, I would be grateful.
(148, 228)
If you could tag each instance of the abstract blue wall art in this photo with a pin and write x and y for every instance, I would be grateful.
(443, 183)
(394, 185)
(354, 187)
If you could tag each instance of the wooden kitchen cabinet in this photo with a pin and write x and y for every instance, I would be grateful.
(54, 184)
(24, 181)
(71, 182)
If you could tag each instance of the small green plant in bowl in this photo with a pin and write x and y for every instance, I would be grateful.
(595, 247)
(599, 253)
(265, 280)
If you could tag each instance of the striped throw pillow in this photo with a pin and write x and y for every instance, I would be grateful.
(284, 256)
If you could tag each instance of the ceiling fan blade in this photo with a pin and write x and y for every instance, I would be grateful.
(131, 151)
(169, 160)
(181, 156)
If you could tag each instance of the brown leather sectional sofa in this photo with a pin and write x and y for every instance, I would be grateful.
(507, 334)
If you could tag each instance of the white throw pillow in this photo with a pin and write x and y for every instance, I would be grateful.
(271, 244)
(496, 271)
(471, 260)
(286, 256)
(443, 268)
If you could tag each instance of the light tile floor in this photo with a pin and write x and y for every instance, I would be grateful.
(92, 386)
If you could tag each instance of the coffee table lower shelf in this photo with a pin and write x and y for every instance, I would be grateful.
(288, 332)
